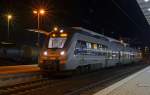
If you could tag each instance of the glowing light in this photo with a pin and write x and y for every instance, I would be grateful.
(35, 12)
(55, 29)
(45, 53)
(9, 16)
(62, 52)
(54, 35)
(63, 35)
(148, 9)
(42, 11)
(146, 0)
(61, 31)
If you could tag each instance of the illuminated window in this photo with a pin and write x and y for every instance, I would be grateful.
(56, 42)
(87, 48)
(95, 46)
(88, 45)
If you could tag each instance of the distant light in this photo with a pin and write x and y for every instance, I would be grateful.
(54, 35)
(55, 29)
(146, 0)
(61, 31)
(42, 11)
(148, 9)
(9, 16)
(35, 12)
(63, 35)
(121, 41)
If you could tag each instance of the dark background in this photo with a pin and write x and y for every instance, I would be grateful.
(120, 19)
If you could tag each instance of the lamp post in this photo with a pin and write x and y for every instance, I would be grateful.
(38, 13)
(9, 17)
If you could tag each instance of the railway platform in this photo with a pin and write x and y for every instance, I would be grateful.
(136, 84)
(18, 69)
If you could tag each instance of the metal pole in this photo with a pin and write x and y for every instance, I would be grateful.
(38, 39)
(8, 29)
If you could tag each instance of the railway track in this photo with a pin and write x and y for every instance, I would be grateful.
(22, 88)
(12, 79)
(92, 88)
(77, 85)
(28, 86)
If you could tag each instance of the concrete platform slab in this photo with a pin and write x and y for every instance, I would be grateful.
(136, 84)
(18, 69)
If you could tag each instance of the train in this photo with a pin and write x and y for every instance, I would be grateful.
(14, 54)
(77, 48)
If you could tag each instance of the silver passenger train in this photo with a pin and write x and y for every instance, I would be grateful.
(78, 48)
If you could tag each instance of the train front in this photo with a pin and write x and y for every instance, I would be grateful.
(53, 56)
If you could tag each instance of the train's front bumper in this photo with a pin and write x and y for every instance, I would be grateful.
(51, 66)
(52, 60)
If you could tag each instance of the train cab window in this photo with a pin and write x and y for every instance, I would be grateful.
(56, 42)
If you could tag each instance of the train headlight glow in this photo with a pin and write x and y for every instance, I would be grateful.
(45, 53)
(62, 52)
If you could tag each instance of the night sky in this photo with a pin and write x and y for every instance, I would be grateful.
(121, 19)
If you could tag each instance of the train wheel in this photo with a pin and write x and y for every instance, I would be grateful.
(79, 70)
(83, 69)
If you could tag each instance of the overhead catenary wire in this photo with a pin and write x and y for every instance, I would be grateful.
(126, 14)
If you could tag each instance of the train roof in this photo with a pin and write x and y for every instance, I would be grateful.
(97, 35)
(82, 30)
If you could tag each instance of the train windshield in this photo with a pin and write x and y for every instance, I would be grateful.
(56, 42)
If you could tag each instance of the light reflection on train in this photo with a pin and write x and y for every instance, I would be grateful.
(77, 48)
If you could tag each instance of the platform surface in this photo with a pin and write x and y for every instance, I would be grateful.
(18, 69)
(136, 84)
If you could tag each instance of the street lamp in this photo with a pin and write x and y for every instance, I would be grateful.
(38, 13)
(55, 28)
(9, 17)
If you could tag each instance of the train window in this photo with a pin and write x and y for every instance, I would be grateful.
(87, 48)
(56, 42)
(80, 47)
(78, 44)
(81, 44)
(121, 53)
(95, 46)
(115, 54)
(99, 46)
(88, 45)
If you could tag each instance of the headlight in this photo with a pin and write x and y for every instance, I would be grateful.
(62, 52)
(45, 53)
